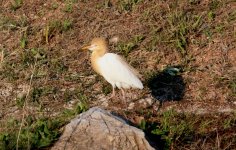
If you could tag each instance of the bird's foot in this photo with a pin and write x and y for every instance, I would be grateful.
(111, 97)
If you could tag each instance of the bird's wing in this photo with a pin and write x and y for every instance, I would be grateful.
(122, 60)
(115, 69)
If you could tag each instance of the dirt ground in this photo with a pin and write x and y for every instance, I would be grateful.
(41, 59)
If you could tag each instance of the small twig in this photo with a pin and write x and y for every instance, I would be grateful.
(24, 106)
(2, 57)
(170, 41)
(217, 140)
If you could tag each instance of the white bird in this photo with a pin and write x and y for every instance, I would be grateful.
(112, 67)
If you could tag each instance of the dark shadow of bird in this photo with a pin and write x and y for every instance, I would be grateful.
(167, 85)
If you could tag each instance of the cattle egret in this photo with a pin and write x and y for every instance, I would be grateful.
(112, 67)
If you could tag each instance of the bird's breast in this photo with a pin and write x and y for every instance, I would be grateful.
(95, 64)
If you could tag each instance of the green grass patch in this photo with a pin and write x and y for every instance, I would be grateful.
(56, 27)
(16, 4)
(69, 5)
(37, 132)
(8, 23)
(180, 130)
(126, 47)
(127, 5)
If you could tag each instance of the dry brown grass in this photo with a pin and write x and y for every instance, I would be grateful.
(199, 36)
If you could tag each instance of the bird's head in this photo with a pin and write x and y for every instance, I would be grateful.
(97, 45)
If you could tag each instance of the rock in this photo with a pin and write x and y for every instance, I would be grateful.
(5, 90)
(98, 129)
(131, 105)
(146, 102)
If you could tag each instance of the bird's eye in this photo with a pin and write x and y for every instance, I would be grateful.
(94, 46)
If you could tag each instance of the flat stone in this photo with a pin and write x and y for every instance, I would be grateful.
(98, 129)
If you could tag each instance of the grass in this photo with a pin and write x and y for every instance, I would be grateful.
(41, 42)
(37, 132)
(69, 5)
(55, 27)
(68, 8)
(180, 130)
(127, 5)
(126, 47)
(16, 4)
(13, 24)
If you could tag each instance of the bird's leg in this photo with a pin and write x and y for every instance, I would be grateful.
(113, 93)
(123, 94)
(123, 97)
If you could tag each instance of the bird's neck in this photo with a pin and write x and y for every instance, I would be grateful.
(95, 56)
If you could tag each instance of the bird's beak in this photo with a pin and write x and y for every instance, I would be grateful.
(86, 47)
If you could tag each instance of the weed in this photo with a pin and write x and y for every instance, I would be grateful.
(126, 48)
(54, 5)
(170, 127)
(36, 94)
(127, 5)
(46, 34)
(57, 66)
(232, 86)
(16, 4)
(232, 16)
(220, 28)
(51, 29)
(74, 1)
(8, 23)
(143, 125)
(177, 129)
(214, 4)
(23, 42)
(23, 21)
(211, 16)
(20, 101)
(66, 25)
(81, 107)
(179, 29)
(68, 8)
(9, 70)
(107, 4)
(230, 82)
(37, 133)
(229, 122)
(194, 2)
(72, 77)
(106, 89)
(197, 22)
(55, 27)
(205, 125)
(208, 33)
(148, 75)
(68, 95)
(71, 94)
(30, 56)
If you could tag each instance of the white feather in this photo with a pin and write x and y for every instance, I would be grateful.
(117, 72)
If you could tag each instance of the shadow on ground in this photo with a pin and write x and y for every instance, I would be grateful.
(155, 141)
(167, 85)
